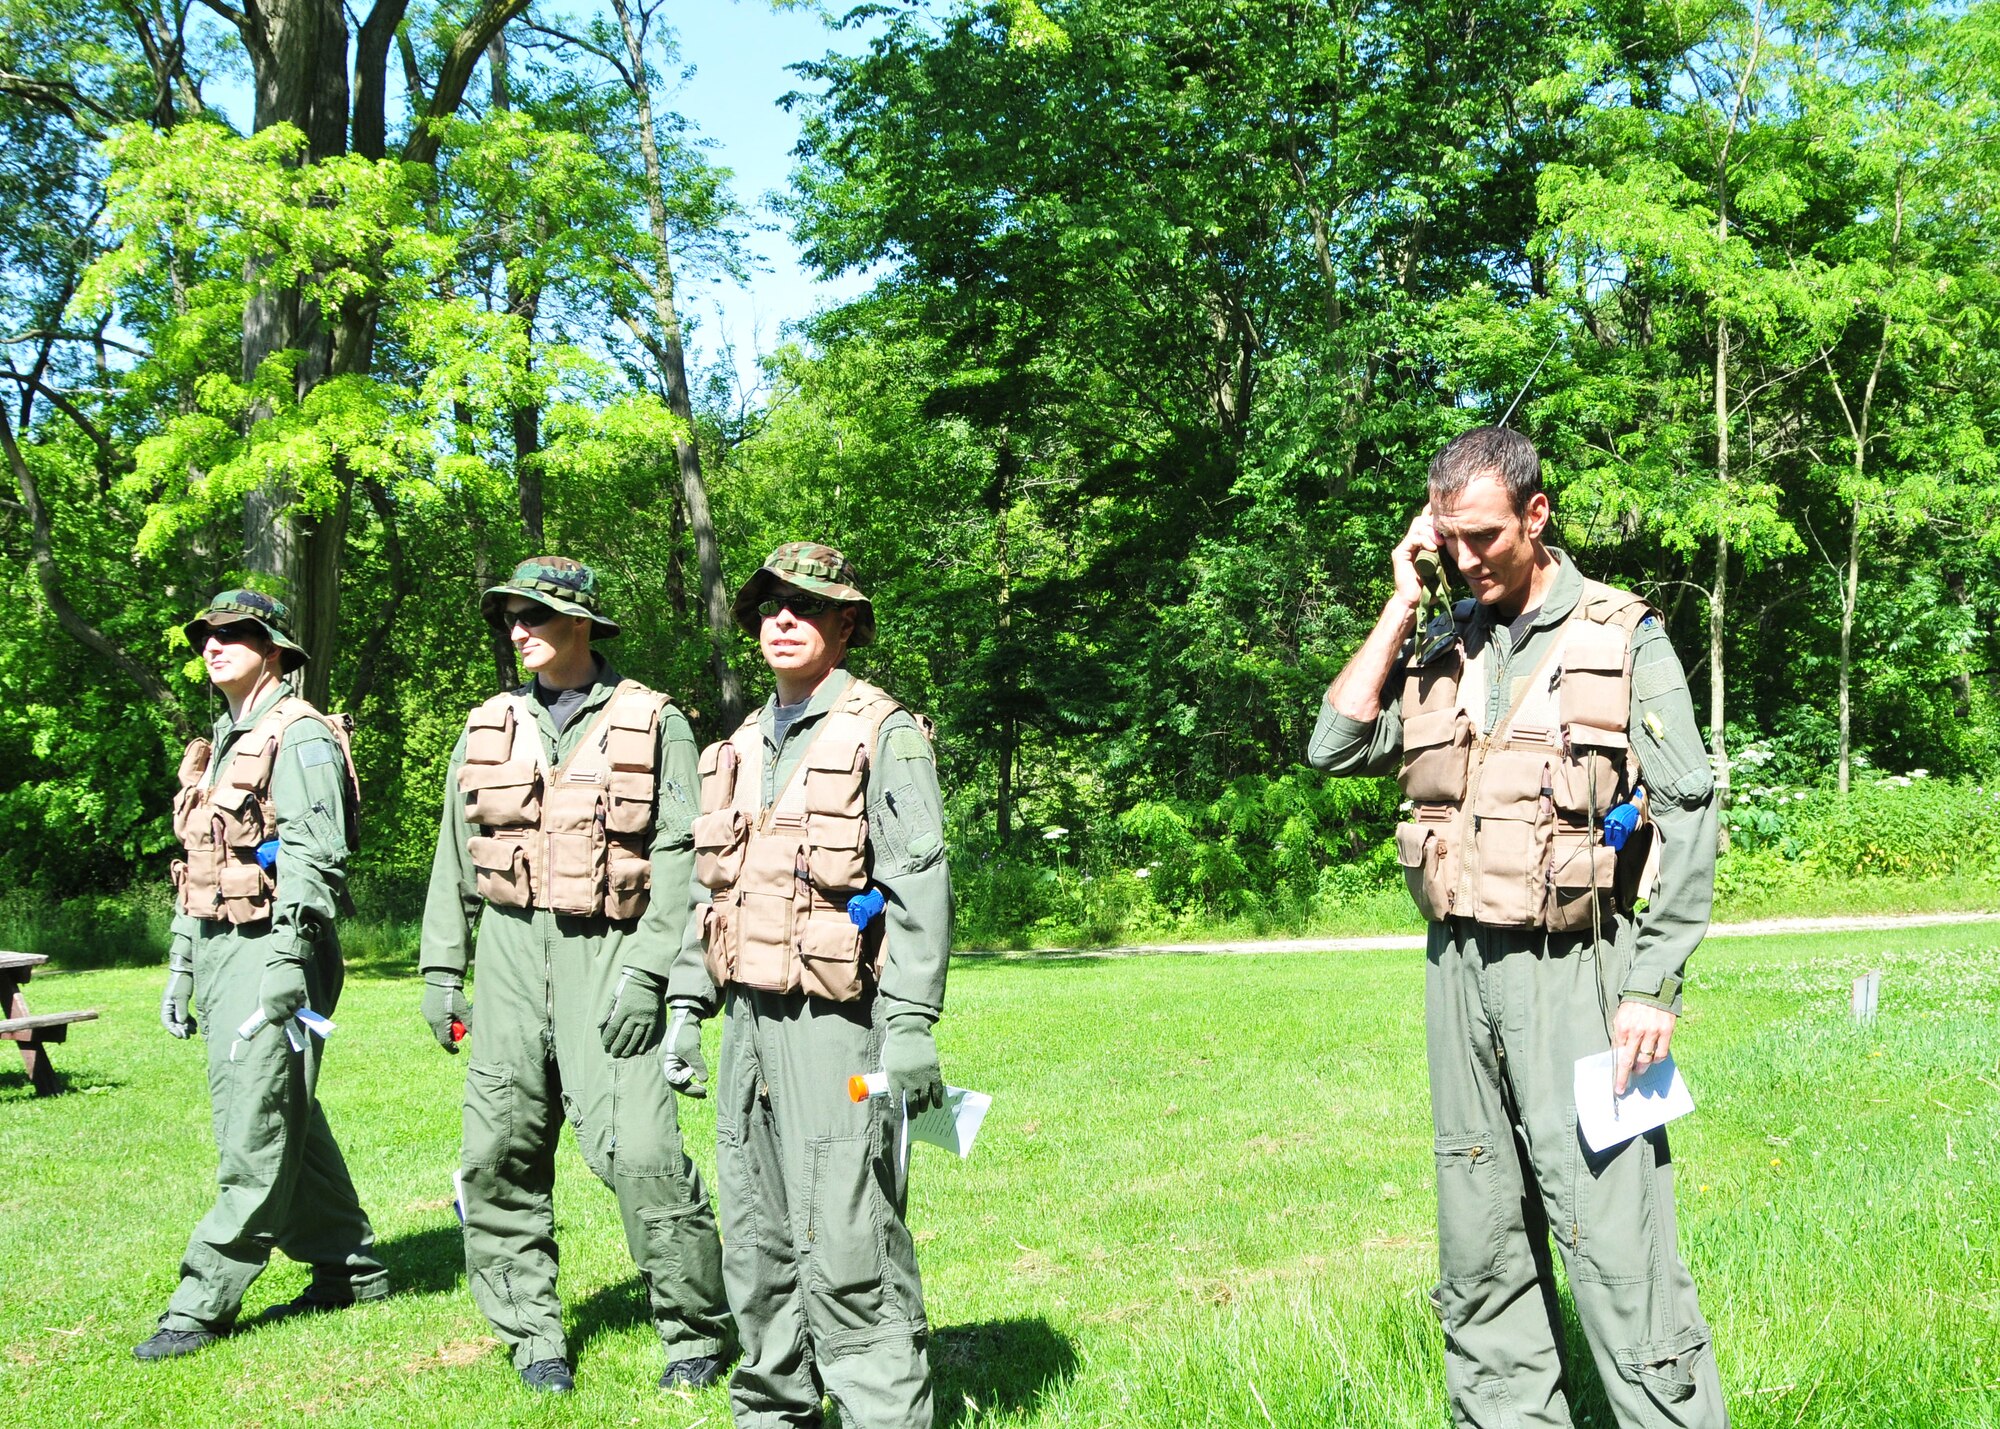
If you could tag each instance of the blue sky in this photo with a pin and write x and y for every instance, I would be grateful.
(739, 52)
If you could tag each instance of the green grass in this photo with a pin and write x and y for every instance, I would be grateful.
(1203, 1198)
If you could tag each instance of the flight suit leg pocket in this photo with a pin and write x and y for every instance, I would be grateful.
(489, 1116)
(1666, 1371)
(847, 1214)
(1470, 1227)
(645, 1131)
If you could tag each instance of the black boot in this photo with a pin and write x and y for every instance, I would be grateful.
(172, 1344)
(549, 1376)
(697, 1373)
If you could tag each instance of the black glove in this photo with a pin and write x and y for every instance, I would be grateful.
(444, 1005)
(632, 1022)
(174, 1014)
(909, 1056)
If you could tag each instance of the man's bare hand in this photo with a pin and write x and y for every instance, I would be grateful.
(1420, 537)
(1641, 1035)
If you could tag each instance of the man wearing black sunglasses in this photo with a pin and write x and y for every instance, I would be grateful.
(823, 928)
(265, 815)
(568, 805)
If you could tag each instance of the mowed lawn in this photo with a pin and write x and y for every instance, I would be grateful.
(1203, 1197)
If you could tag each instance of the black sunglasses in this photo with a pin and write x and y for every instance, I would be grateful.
(232, 634)
(528, 617)
(805, 607)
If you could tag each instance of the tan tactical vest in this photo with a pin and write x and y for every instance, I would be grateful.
(781, 877)
(575, 838)
(221, 824)
(1506, 827)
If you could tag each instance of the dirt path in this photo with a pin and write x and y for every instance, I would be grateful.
(1761, 928)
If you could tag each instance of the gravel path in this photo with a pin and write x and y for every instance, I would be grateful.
(1761, 928)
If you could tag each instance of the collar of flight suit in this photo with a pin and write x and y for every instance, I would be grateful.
(823, 699)
(1563, 594)
(603, 683)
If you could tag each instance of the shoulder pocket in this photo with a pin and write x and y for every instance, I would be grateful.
(1594, 695)
(489, 735)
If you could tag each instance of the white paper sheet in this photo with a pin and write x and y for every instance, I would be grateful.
(953, 1125)
(1652, 1098)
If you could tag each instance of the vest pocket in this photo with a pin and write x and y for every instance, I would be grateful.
(1436, 745)
(834, 779)
(242, 815)
(500, 870)
(830, 957)
(718, 776)
(1430, 868)
(763, 942)
(1513, 814)
(836, 854)
(1591, 781)
(246, 891)
(628, 801)
(719, 841)
(628, 881)
(718, 951)
(1580, 869)
(489, 736)
(574, 879)
(501, 795)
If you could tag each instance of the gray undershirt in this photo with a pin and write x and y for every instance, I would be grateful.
(783, 717)
(562, 705)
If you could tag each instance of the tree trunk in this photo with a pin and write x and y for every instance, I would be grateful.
(1718, 595)
(1849, 589)
(673, 371)
(299, 66)
(524, 301)
(1003, 819)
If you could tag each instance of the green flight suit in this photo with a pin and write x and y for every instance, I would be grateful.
(817, 1254)
(1508, 1011)
(545, 980)
(281, 1180)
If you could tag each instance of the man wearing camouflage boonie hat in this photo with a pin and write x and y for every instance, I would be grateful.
(266, 816)
(568, 805)
(822, 928)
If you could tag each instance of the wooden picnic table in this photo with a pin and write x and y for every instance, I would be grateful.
(30, 1033)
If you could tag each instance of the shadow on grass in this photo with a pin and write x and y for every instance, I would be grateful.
(430, 1261)
(15, 1086)
(615, 1307)
(999, 1366)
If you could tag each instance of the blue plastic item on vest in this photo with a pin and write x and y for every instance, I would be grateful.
(267, 855)
(863, 908)
(1620, 823)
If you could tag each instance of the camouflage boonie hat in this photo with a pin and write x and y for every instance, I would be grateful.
(564, 586)
(266, 612)
(807, 566)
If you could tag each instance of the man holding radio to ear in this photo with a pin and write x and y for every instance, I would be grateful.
(1515, 722)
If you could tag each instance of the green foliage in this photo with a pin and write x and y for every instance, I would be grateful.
(1172, 305)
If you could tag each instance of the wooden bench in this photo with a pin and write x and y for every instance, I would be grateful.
(32, 1033)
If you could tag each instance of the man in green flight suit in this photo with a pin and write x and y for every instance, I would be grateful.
(823, 923)
(1516, 722)
(265, 816)
(567, 813)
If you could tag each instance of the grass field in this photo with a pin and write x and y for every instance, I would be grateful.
(1203, 1198)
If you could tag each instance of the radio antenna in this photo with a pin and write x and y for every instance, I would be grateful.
(1531, 380)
